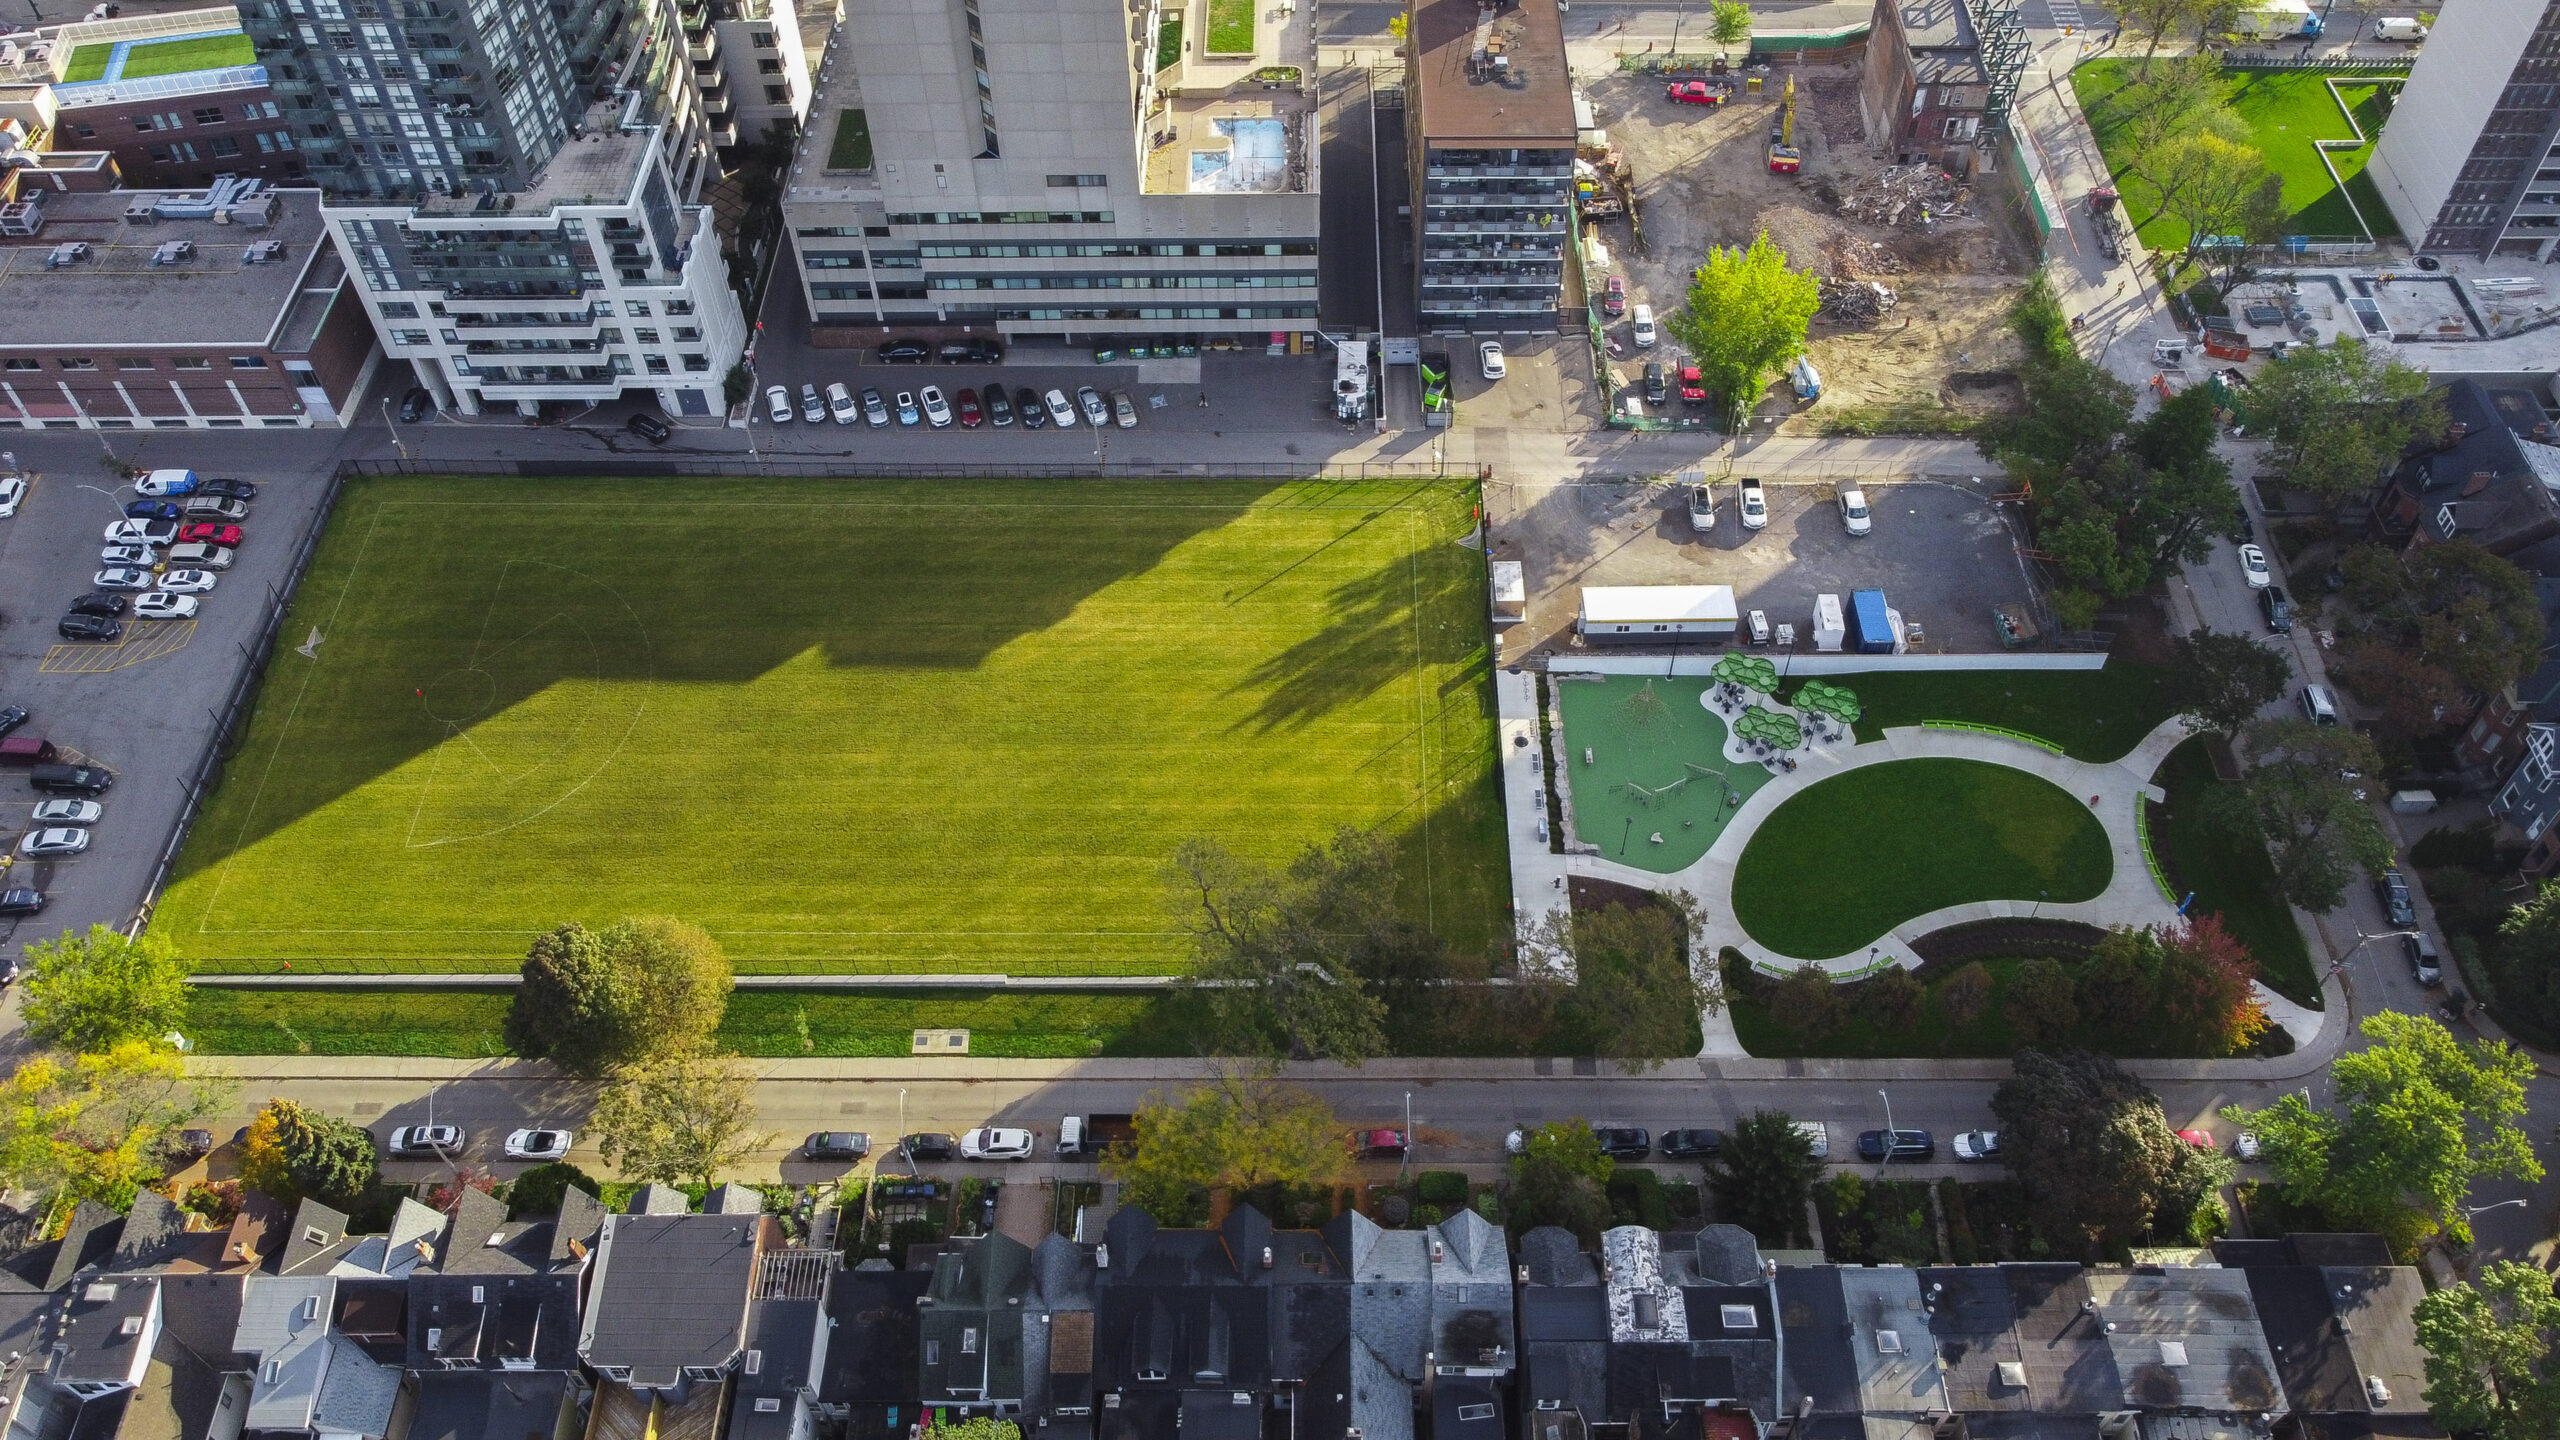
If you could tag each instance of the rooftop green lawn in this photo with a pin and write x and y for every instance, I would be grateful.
(89, 62)
(1230, 27)
(147, 58)
(2094, 715)
(851, 149)
(848, 727)
(1849, 858)
(2285, 110)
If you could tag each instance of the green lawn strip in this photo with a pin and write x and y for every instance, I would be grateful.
(460, 1024)
(851, 149)
(2231, 875)
(177, 57)
(1988, 1038)
(1169, 40)
(1231, 27)
(2094, 715)
(89, 62)
(1848, 859)
(847, 727)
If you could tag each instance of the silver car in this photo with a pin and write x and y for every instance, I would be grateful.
(142, 555)
(60, 840)
(66, 812)
(121, 577)
(188, 582)
(196, 555)
(1094, 410)
(1123, 410)
(812, 409)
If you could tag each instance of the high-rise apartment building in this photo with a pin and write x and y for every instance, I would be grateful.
(2469, 162)
(1492, 138)
(1028, 167)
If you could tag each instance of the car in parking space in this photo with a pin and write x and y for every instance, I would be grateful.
(1657, 383)
(1034, 412)
(1061, 414)
(1380, 1144)
(55, 840)
(121, 577)
(163, 484)
(208, 533)
(539, 1144)
(2392, 889)
(1973, 1147)
(1906, 1147)
(2253, 567)
(188, 582)
(836, 1145)
(970, 352)
(13, 491)
(812, 409)
(66, 812)
(2278, 608)
(905, 350)
(928, 1145)
(1613, 296)
(994, 1143)
(1124, 411)
(1695, 92)
(936, 409)
(875, 409)
(99, 602)
(12, 717)
(412, 1142)
(1489, 360)
(1854, 515)
(142, 555)
(141, 532)
(1094, 413)
(1644, 332)
(649, 427)
(1691, 1144)
(151, 510)
(417, 405)
(1624, 1142)
(2201, 1139)
(964, 403)
(189, 1146)
(213, 507)
(999, 407)
(906, 408)
(1752, 503)
(164, 605)
(777, 403)
(228, 489)
(2425, 965)
(2245, 1145)
(72, 779)
(840, 403)
(1693, 386)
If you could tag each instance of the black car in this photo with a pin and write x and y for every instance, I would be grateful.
(649, 427)
(999, 408)
(99, 602)
(151, 510)
(71, 779)
(928, 1146)
(1656, 388)
(2392, 889)
(1691, 1144)
(1624, 1144)
(972, 352)
(906, 350)
(189, 1146)
(1035, 411)
(1910, 1147)
(80, 626)
(12, 718)
(229, 489)
(417, 405)
(2278, 607)
(21, 901)
(837, 1145)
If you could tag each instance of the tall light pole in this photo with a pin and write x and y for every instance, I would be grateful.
(1888, 1132)
(402, 445)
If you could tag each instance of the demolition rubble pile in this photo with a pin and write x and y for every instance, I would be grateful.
(1907, 195)
(1852, 298)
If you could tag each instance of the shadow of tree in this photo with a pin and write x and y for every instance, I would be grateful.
(1410, 612)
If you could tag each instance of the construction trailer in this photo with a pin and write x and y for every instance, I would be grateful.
(1656, 614)
(1510, 592)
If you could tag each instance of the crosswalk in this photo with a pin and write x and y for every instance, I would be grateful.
(2065, 13)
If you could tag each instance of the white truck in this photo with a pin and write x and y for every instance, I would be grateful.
(2276, 20)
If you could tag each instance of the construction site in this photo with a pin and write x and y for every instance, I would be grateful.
(1919, 268)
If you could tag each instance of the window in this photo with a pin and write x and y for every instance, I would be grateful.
(22, 365)
(224, 147)
(777, 94)
(640, 308)
(645, 335)
(399, 310)
(409, 337)
(657, 364)
(87, 132)
(248, 362)
(768, 67)
(191, 362)
(1070, 182)
(833, 260)
(133, 362)
(77, 362)
(697, 363)
(688, 333)
(208, 115)
(763, 39)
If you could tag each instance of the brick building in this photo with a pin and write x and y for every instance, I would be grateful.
(1926, 93)
(178, 98)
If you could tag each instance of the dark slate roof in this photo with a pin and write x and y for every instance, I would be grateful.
(1553, 1257)
(2513, 509)
(1644, 1376)
(1973, 1320)
(374, 1314)
(314, 1238)
(1564, 1346)
(1467, 1408)
(481, 1240)
(972, 1329)
(89, 1239)
(1815, 1317)
(1063, 1273)
(581, 1216)
(93, 1340)
(155, 1231)
(1728, 1255)
(871, 1355)
(781, 1336)
(2343, 1248)
(489, 1320)
(202, 1312)
(671, 1292)
(2311, 1351)
(488, 1405)
(2069, 1365)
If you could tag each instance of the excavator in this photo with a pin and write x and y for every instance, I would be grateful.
(1784, 158)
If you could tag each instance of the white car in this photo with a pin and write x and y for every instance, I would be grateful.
(160, 484)
(62, 840)
(992, 1144)
(164, 605)
(539, 1144)
(777, 403)
(1489, 360)
(12, 491)
(196, 555)
(1854, 513)
(429, 1142)
(188, 582)
(2253, 567)
(1975, 1146)
(1517, 1142)
(141, 532)
(2245, 1145)
(937, 411)
(142, 555)
(840, 401)
(1061, 414)
(1644, 332)
(121, 577)
(1091, 400)
(1753, 504)
(811, 408)
(66, 812)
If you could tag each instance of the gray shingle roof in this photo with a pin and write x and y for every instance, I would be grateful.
(356, 1395)
(670, 1291)
(284, 1321)
(581, 1217)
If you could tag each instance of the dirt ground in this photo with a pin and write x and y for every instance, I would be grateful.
(1701, 179)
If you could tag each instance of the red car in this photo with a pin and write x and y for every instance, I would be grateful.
(1693, 388)
(2198, 1139)
(1378, 1144)
(1613, 296)
(208, 534)
(966, 403)
(1696, 92)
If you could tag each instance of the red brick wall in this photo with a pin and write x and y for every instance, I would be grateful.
(113, 128)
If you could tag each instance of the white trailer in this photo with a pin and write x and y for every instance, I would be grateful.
(1656, 614)
(1510, 592)
(1830, 625)
(1351, 380)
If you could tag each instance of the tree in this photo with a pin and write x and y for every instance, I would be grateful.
(1249, 1129)
(1282, 960)
(1642, 974)
(2226, 195)
(2422, 1116)
(1807, 1002)
(2316, 829)
(91, 993)
(2454, 607)
(2185, 95)
(2189, 497)
(1893, 999)
(2093, 1149)
(976, 1427)
(2155, 20)
(96, 1127)
(642, 988)
(1762, 1176)
(1560, 1178)
(567, 1008)
(2115, 986)
(292, 1152)
(677, 982)
(2040, 1008)
(1963, 996)
(2204, 981)
(678, 1118)
(2488, 1344)
(2220, 682)
(2339, 415)
(1731, 24)
(1745, 319)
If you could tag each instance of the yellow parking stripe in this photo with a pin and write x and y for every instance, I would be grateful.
(142, 641)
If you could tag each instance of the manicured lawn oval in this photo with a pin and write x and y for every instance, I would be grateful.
(1855, 855)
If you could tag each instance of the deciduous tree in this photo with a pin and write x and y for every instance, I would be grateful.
(1762, 1176)
(1731, 23)
(2452, 606)
(640, 989)
(1283, 960)
(1247, 1129)
(2226, 195)
(1965, 995)
(2040, 1008)
(2094, 1150)
(1893, 999)
(1807, 1002)
(293, 1152)
(1746, 317)
(1561, 1178)
(90, 993)
(2221, 681)
(2315, 828)
(2156, 20)
(677, 1118)
(2204, 982)
(1642, 974)
(2490, 1372)
(2339, 415)
(96, 1126)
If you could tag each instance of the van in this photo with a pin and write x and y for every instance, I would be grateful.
(1818, 1134)
(71, 779)
(2425, 966)
(1644, 327)
(2317, 706)
(27, 750)
(2393, 27)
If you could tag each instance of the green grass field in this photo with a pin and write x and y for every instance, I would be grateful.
(847, 727)
(2094, 715)
(162, 57)
(2231, 875)
(2285, 110)
(1231, 27)
(1855, 855)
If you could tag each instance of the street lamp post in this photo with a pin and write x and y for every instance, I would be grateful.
(394, 428)
(1889, 1132)
(2469, 1210)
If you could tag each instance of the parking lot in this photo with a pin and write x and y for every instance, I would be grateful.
(1941, 551)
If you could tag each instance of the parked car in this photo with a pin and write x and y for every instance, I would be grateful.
(165, 605)
(836, 1145)
(906, 408)
(964, 402)
(1693, 386)
(429, 1142)
(1657, 384)
(151, 510)
(905, 350)
(1695, 92)
(2392, 889)
(875, 408)
(417, 405)
(1975, 1146)
(1062, 414)
(1908, 1147)
(812, 409)
(2425, 965)
(936, 409)
(1489, 361)
(649, 427)
(72, 779)
(213, 507)
(991, 1143)
(188, 582)
(141, 532)
(1691, 1144)
(2201, 1139)
(2279, 609)
(141, 555)
(928, 1145)
(99, 602)
(1613, 297)
(162, 484)
(57, 840)
(208, 533)
(840, 403)
(999, 407)
(28, 750)
(188, 1146)
(1854, 515)
(1034, 412)
(2253, 567)
(13, 492)
(66, 812)
(1094, 413)
(2245, 1145)
(1644, 332)
(971, 352)
(777, 404)
(539, 1144)
(1124, 411)
(1624, 1142)
(229, 489)
(1753, 504)
(11, 718)
(1379, 1144)
(121, 577)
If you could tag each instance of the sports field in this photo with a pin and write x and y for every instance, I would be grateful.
(846, 726)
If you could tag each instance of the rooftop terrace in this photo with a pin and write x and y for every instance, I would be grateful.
(1492, 74)
(1260, 142)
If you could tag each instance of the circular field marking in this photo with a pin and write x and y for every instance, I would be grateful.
(458, 697)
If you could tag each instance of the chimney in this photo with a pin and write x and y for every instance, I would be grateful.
(1101, 1257)
(2454, 432)
(1266, 1257)
(1439, 1251)
(2478, 482)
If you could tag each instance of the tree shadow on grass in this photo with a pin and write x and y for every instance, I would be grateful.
(1414, 610)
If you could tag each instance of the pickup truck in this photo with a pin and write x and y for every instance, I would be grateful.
(1093, 1134)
